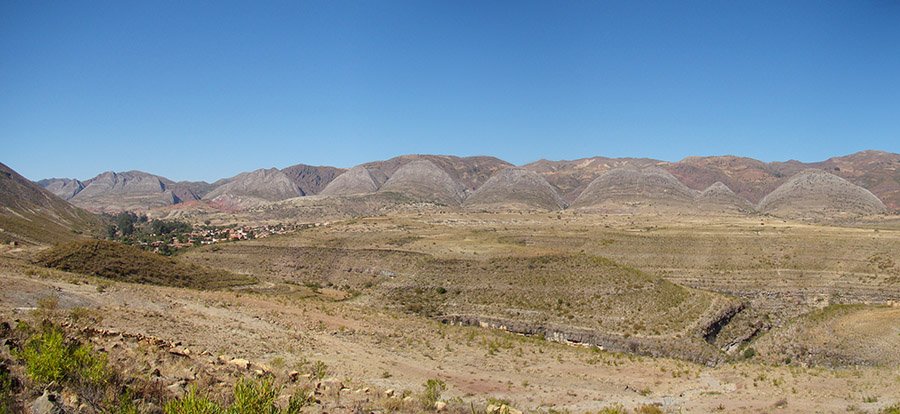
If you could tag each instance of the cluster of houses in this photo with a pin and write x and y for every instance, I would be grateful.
(218, 234)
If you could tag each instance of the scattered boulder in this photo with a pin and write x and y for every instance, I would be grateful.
(47, 403)
(240, 363)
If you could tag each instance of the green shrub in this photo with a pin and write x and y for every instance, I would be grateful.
(256, 397)
(432, 393)
(49, 357)
(749, 353)
(302, 397)
(894, 409)
(318, 370)
(193, 403)
(250, 397)
(6, 390)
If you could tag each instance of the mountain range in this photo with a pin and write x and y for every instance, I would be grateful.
(737, 182)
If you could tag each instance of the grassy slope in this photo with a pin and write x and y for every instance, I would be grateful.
(130, 264)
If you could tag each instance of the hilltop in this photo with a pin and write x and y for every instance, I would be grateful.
(816, 192)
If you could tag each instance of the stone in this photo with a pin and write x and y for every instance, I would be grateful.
(47, 403)
(440, 406)
(240, 363)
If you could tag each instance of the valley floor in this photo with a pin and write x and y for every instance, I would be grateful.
(280, 325)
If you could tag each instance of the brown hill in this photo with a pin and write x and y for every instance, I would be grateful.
(130, 190)
(257, 186)
(31, 214)
(748, 178)
(422, 179)
(877, 171)
(357, 180)
(634, 187)
(311, 179)
(818, 193)
(117, 261)
(516, 188)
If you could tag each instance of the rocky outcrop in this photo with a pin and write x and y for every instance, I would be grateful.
(64, 188)
(691, 349)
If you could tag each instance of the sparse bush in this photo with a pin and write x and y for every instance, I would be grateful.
(302, 397)
(432, 394)
(648, 409)
(613, 409)
(318, 370)
(894, 409)
(749, 353)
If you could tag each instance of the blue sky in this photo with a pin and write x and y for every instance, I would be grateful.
(206, 89)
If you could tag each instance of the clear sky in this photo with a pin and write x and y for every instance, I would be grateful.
(207, 89)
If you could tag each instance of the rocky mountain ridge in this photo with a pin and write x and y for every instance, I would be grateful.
(746, 178)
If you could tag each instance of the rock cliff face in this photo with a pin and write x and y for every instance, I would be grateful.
(64, 188)
(423, 180)
(516, 188)
(816, 192)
